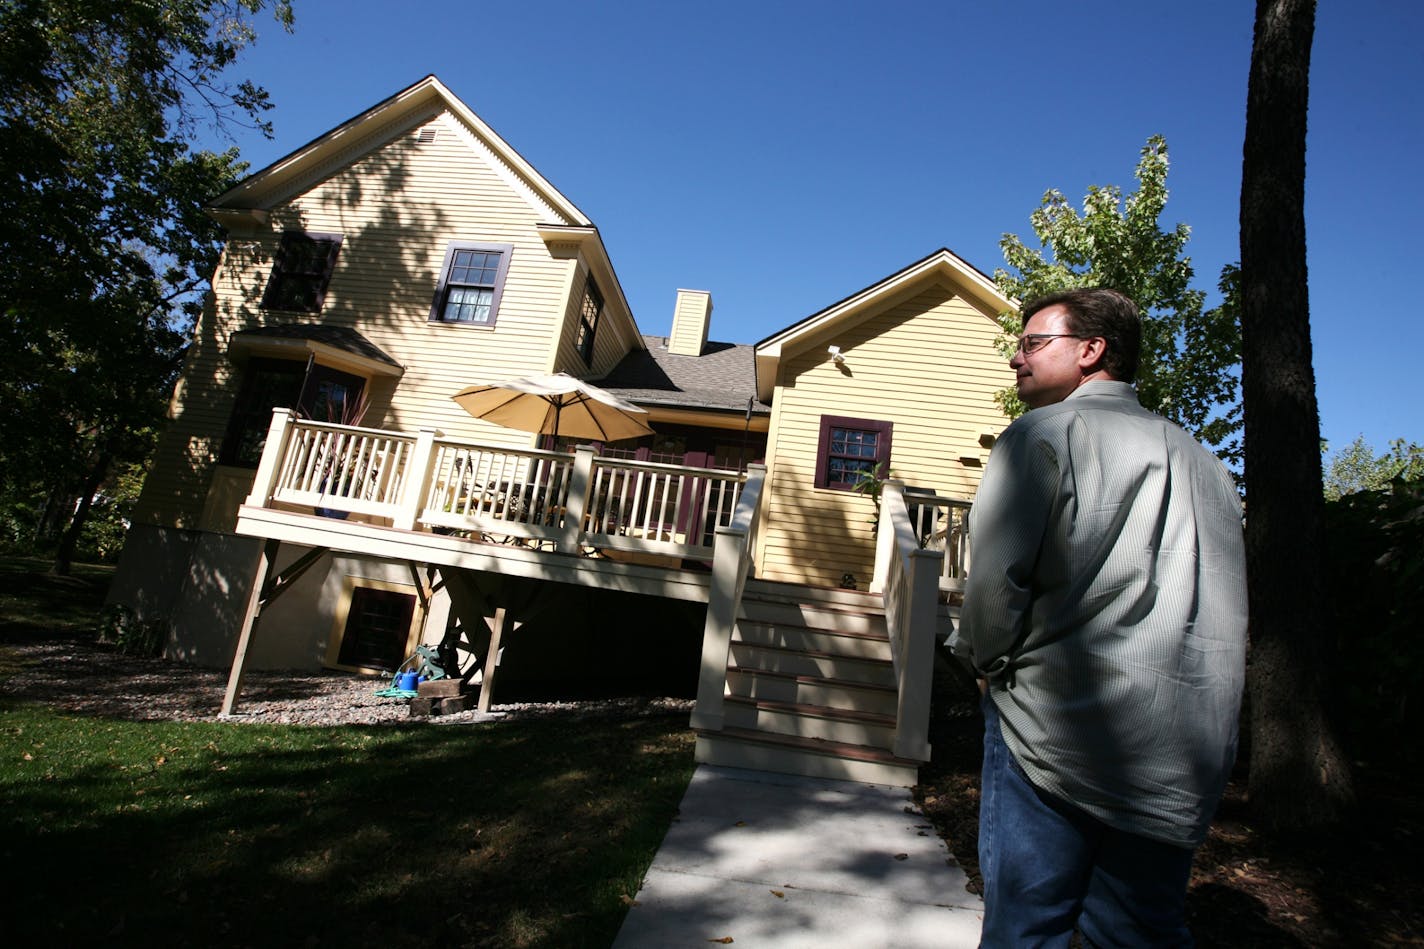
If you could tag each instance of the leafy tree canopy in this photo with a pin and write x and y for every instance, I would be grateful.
(104, 250)
(1190, 356)
(1357, 468)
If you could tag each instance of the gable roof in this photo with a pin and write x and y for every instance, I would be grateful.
(721, 379)
(943, 266)
(249, 201)
(255, 194)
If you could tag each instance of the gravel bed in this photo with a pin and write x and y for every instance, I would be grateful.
(78, 676)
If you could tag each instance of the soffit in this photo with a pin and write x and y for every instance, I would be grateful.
(336, 346)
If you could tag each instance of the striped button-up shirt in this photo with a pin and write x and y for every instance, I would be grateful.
(1106, 605)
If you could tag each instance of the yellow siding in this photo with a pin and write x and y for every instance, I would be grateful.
(610, 338)
(397, 207)
(927, 365)
(689, 323)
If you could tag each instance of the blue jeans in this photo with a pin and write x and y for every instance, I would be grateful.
(1050, 867)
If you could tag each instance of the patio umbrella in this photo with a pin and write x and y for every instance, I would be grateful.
(554, 405)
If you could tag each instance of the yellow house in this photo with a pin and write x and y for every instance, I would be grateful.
(410, 252)
(903, 372)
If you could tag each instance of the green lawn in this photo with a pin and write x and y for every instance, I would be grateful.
(527, 833)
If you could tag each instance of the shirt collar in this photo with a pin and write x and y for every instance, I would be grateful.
(1104, 388)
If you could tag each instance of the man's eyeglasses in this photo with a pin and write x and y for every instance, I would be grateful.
(1031, 343)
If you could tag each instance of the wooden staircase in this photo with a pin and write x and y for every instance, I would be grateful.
(810, 688)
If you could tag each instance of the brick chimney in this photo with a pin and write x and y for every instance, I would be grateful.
(690, 319)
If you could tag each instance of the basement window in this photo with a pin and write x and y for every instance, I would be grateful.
(376, 631)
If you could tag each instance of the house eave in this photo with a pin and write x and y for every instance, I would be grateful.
(942, 266)
(325, 353)
(237, 218)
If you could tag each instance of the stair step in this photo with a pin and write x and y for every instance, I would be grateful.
(826, 711)
(769, 685)
(868, 620)
(775, 591)
(789, 754)
(870, 645)
(825, 665)
(852, 726)
(811, 688)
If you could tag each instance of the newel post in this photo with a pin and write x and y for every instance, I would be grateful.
(279, 434)
(417, 480)
(576, 501)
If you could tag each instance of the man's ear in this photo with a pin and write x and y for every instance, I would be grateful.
(1095, 350)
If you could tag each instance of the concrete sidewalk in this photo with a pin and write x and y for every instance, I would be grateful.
(777, 860)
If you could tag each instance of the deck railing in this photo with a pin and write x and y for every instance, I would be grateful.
(941, 523)
(570, 502)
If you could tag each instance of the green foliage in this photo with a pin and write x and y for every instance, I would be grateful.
(1190, 356)
(1356, 468)
(104, 249)
(109, 518)
(120, 626)
(1375, 574)
(871, 483)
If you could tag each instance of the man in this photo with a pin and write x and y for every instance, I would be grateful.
(1105, 614)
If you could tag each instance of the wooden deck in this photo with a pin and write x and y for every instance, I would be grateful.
(659, 530)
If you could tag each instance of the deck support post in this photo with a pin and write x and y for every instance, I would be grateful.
(492, 659)
(261, 581)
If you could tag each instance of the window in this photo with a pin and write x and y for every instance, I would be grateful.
(848, 448)
(588, 320)
(317, 392)
(301, 272)
(377, 629)
(471, 281)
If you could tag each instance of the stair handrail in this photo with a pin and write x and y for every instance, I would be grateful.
(731, 564)
(910, 576)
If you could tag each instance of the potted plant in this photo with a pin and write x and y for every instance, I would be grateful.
(871, 482)
(340, 409)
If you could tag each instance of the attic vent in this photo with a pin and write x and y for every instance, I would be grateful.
(426, 136)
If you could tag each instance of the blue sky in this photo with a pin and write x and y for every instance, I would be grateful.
(785, 154)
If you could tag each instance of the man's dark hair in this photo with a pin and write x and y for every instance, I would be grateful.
(1099, 311)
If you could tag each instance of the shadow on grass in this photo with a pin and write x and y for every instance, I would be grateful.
(510, 834)
(35, 602)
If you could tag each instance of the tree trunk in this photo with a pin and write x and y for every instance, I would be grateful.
(64, 556)
(1299, 776)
